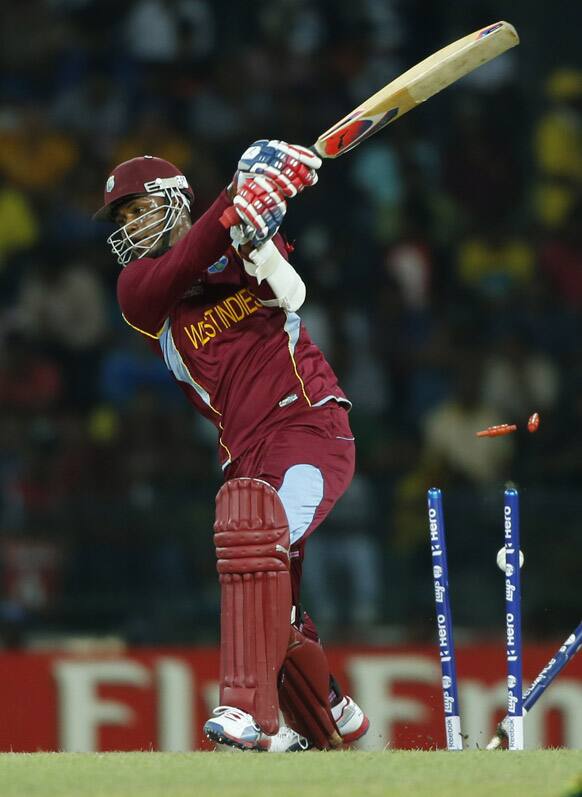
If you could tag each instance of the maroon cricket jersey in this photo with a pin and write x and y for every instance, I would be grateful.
(246, 367)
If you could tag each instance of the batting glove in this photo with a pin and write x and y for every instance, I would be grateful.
(261, 208)
(290, 166)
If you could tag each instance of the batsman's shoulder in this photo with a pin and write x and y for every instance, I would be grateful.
(127, 284)
(136, 305)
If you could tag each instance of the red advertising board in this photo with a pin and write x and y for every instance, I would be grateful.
(159, 699)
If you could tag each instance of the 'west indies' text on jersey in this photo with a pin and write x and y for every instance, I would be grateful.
(244, 366)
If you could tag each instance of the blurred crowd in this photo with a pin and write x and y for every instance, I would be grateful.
(443, 262)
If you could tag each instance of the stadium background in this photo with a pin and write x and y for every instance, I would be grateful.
(443, 262)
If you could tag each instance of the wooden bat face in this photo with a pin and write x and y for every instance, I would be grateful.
(416, 85)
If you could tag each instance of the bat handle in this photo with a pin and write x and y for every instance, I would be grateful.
(230, 218)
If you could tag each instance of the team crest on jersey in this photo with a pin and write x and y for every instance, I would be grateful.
(219, 266)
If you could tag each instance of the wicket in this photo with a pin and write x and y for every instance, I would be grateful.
(440, 573)
(513, 723)
(513, 621)
(554, 667)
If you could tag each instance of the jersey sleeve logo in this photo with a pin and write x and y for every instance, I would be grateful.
(219, 266)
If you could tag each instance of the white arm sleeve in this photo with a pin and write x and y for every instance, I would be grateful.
(267, 263)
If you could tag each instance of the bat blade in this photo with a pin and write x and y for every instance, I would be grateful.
(416, 85)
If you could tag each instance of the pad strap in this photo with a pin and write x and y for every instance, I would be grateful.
(251, 535)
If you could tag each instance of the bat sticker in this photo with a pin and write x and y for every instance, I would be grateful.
(492, 29)
(357, 131)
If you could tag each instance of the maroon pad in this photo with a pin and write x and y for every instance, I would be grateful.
(304, 692)
(251, 535)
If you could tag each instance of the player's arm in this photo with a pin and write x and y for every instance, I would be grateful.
(279, 285)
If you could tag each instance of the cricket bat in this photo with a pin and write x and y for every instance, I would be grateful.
(414, 86)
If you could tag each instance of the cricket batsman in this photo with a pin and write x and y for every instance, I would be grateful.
(220, 307)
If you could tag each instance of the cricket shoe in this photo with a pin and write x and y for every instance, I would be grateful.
(351, 721)
(233, 727)
(285, 741)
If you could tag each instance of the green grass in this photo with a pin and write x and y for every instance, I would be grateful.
(539, 773)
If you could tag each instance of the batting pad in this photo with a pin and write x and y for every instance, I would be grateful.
(251, 535)
(304, 692)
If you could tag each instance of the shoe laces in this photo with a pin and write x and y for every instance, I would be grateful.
(230, 712)
(293, 736)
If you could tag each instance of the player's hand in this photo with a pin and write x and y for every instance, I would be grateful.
(290, 166)
(260, 207)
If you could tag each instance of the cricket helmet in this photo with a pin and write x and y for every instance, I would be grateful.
(145, 176)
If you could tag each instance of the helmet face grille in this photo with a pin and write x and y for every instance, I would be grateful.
(139, 237)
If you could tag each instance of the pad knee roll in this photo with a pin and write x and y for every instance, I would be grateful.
(251, 535)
